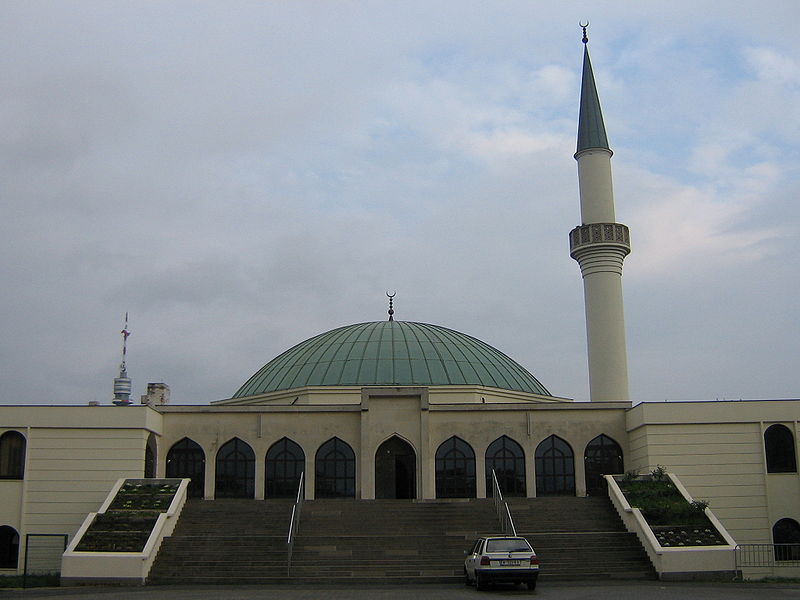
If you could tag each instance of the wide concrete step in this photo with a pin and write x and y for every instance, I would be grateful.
(388, 541)
(310, 580)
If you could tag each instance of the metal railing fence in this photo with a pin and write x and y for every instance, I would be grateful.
(767, 555)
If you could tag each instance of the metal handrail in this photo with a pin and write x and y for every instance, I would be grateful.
(501, 507)
(294, 522)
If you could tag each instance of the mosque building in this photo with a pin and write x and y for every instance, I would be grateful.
(401, 409)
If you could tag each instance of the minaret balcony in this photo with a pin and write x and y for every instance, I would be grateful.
(584, 237)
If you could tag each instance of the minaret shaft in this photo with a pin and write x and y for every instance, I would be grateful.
(605, 325)
(596, 188)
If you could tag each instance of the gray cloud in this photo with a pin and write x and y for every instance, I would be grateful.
(240, 179)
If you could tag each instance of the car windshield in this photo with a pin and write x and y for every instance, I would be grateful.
(508, 545)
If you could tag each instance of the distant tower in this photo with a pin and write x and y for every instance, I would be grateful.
(600, 245)
(122, 384)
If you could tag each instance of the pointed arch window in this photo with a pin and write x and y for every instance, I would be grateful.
(786, 537)
(506, 457)
(9, 547)
(335, 470)
(455, 469)
(603, 456)
(236, 470)
(187, 459)
(555, 468)
(150, 452)
(285, 463)
(780, 449)
(12, 455)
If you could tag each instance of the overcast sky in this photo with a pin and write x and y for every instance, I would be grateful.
(240, 176)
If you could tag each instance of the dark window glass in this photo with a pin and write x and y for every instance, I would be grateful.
(335, 470)
(475, 546)
(187, 459)
(9, 547)
(150, 457)
(12, 455)
(786, 537)
(455, 469)
(779, 447)
(555, 468)
(285, 463)
(236, 470)
(508, 545)
(506, 457)
(603, 456)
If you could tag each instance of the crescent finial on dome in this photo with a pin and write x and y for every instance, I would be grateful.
(391, 302)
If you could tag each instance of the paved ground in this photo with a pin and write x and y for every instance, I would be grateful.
(550, 591)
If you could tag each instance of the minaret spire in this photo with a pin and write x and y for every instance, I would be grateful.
(600, 245)
(591, 129)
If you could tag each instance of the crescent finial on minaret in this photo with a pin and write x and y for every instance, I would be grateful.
(585, 39)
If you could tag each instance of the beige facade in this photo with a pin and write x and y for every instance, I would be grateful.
(717, 449)
(422, 417)
(75, 454)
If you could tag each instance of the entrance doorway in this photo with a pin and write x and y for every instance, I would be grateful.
(187, 459)
(603, 456)
(395, 470)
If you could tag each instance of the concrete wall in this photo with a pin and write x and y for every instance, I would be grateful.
(309, 426)
(373, 415)
(74, 455)
(717, 450)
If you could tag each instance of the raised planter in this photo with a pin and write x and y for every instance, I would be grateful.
(682, 537)
(675, 520)
(119, 542)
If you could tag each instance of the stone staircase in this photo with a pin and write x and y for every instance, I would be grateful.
(580, 539)
(225, 541)
(388, 541)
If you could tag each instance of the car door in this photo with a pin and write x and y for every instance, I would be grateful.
(472, 554)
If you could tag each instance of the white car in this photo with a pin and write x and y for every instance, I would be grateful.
(501, 559)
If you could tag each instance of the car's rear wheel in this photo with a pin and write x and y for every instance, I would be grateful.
(467, 580)
(480, 581)
(531, 585)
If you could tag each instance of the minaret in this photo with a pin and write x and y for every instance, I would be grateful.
(122, 384)
(600, 245)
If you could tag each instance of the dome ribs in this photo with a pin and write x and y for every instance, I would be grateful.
(392, 353)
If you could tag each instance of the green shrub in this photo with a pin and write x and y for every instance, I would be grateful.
(659, 473)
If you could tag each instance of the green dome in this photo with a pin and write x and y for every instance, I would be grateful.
(395, 353)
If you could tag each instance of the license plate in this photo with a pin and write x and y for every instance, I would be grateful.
(509, 563)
